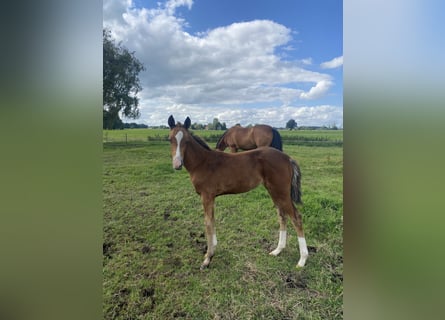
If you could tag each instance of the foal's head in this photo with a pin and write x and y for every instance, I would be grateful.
(178, 138)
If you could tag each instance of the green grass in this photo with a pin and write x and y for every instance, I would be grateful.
(154, 242)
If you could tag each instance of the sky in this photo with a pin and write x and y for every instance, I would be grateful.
(247, 62)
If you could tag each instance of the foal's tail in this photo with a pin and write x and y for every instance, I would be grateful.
(276, 140)
(295, 189)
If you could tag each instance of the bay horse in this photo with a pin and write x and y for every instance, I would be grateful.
(260, 135)
(214, 173)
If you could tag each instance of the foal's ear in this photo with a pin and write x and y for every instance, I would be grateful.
(171, 122)
(187, 123)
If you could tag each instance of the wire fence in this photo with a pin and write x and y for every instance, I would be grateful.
(130, 139)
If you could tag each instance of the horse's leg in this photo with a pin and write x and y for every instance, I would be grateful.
(296, 220)
(233, 149)
(283, 233)
(209, 219)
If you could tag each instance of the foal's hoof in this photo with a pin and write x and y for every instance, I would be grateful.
(206, 263)
(275, 252)
(300, 264)
(203, 266)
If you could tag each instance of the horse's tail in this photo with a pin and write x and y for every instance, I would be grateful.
(276, 140)
(295, 189)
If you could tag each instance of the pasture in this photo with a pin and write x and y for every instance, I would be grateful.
(154, 237)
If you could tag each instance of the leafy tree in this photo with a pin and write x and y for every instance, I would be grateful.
(134, 125)
(291, 124)
(120, 82)
(216, 125)
(197, 126)
(111, 122)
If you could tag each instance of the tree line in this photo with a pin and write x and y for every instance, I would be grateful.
(217, 125)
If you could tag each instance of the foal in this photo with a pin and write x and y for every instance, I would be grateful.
(215, 173)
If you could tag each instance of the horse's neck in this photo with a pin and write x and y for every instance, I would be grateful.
(195, 155)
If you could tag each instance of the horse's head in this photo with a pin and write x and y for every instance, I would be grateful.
(221, 145)
(178, 138)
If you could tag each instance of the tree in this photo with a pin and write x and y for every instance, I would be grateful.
(216, 125)
(111, 122)
(120, 82)
(197, 126)
(291, 124)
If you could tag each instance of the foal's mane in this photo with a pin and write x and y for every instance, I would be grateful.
(200, 142)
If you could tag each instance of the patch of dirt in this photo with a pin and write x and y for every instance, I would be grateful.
(173, 261)
(107, 249)
(120, 299)
(148, 293)
(146, 249)
(312, 249)
(336, 277)
(124, 292)
(199, 241)
(265, 244)
(179, 314)
(295, 281)
(166, 214)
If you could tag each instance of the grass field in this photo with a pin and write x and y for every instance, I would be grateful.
(154, 240)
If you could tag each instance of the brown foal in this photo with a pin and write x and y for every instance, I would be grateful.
(215, 173)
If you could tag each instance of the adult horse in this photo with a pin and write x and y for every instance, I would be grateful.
(260, 135)
(215, 173)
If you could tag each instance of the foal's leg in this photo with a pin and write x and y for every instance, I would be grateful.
(209, 219)
(283, 233)
(298, 225)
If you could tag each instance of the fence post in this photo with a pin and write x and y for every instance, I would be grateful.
(126, 140)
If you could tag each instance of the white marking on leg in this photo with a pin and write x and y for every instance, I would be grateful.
(215, 242)
(177, 160)
(303, 251)
(281, 243)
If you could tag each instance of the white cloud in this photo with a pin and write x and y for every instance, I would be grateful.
(222, 69)
(275, 116)
(317, 91)
(332, 64)
(171, 5)
(306, 61)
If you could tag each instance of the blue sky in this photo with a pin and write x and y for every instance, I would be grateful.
(240, 61)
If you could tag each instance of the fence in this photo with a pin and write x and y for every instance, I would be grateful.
(126, 138)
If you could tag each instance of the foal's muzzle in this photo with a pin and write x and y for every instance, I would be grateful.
(177, 163)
